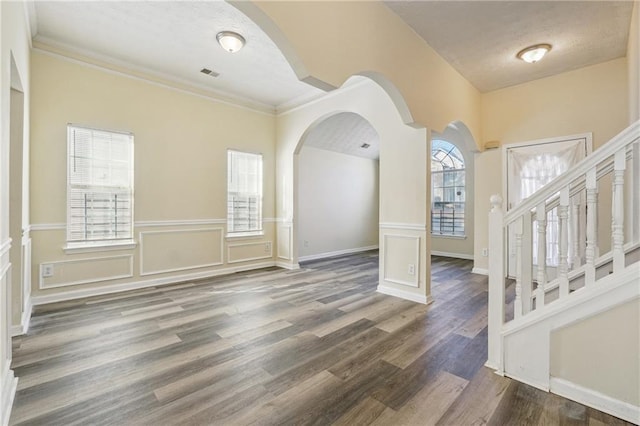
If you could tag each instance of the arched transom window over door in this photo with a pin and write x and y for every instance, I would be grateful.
(447, 189)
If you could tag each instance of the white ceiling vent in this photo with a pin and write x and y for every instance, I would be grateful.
(209, 72)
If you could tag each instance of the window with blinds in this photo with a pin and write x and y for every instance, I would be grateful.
(244, 192)
(99, 186)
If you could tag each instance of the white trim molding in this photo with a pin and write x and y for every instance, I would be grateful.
(268, 255)
(480, 271)
(48, 226)
(453, 255)
(118, 288)
(25, 321)
(416, 262)
(8, 387)
(43, 286)
(286, 265)
(594, 399)
(183, 222)
(403, 226)
(403, 294)
(336, 253)
(185, 268)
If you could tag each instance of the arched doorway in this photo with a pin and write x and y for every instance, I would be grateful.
(338, 187)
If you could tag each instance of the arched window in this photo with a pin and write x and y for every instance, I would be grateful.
(447, 189)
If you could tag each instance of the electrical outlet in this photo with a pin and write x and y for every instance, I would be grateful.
(306, 243)
(47, 270)
(485, 252)
(412, 269)
(267, 247)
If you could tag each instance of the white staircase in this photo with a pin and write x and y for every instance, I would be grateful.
(588, 283)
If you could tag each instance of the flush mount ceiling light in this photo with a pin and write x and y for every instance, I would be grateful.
(230, 41)
(534, 53)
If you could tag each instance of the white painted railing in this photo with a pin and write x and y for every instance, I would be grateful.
(573, 197)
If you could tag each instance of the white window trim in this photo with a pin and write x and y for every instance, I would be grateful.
(71, 247)
(256, 232)
(245, 235)
(87, 247)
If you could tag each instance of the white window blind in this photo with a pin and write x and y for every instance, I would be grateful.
(99, 185)
(244, 192)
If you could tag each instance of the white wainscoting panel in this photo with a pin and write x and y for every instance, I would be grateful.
(88, 270)
(180, 249)
(398, 247)
(285, 240)
(245, 252)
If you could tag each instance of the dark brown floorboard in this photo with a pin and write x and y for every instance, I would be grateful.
(275, 347)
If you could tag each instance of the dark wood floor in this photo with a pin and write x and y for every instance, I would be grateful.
(314, 346)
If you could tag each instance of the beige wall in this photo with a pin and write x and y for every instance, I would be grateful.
(633, 64)
(180, 176)
(609, 340)
(591, 99)
(337, 201)
(368, 38)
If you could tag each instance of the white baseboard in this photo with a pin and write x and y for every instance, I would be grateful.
(336, 253)
(454, 255)
(23, 327)
(480, 271)
(594, 399)
(407, 295)
(287, 265)
(117, 288)
(8, 386)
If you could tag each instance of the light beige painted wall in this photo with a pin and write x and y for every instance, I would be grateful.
(337, 200)
(591, 99)
(633, 64)
(367, 37)
(609, 340)
(180, 173)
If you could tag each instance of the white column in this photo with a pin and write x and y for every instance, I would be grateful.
(592, 226)
(617, 216)
(541, 218)
(563, 266)
(495, 318)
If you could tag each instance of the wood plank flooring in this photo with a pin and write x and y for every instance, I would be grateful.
(276, 347)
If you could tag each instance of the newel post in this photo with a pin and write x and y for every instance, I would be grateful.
(496, 283)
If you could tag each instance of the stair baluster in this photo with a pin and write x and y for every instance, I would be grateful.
(592, 226)
(563, 218)
(617, 216)
(541, 218)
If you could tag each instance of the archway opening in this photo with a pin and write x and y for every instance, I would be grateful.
(452, 192)
(338, 187)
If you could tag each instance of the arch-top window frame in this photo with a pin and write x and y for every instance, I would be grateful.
(448, 189)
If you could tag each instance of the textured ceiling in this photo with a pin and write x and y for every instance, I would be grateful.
(345, 132)
(480, 39)
(175, 39)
